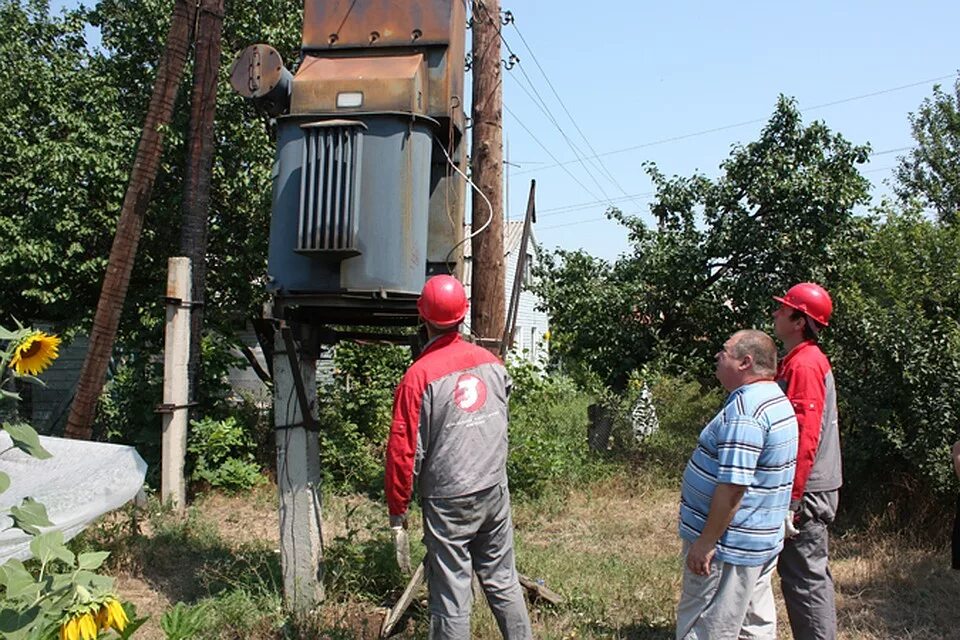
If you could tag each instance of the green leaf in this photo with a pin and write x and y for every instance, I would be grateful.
(9, 394)
(30, 515)
(92, 561)
(26, 439)
(31, 379)
(4, 482)
(15, 624)
(49, 546)
(94, 581)
(18, 581)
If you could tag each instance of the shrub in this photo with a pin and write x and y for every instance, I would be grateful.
(548, 432)
(355, 412)
(222, 454)
(895, 349)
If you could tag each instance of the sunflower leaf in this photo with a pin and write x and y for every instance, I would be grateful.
(9, 394)
(49, 546)
(31, 379)
(26, 439)
(92, 561)
(16, 624)
(17, 580)
(29, 516)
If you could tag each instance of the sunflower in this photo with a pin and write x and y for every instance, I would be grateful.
(35, 353)
(82, 626)
(115, 616)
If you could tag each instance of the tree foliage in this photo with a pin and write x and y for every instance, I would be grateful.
(895, 347)
(930, 173)
(777, 214)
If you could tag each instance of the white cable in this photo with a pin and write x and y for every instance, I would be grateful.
(475, 188)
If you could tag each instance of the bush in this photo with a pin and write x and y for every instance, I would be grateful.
(223, 454)
(684, 407)
(355, 413)
(895, 348)
(548, 432)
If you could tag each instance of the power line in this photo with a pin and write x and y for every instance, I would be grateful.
(749, 122)
(587, 205)
(535, 139)
(563, 106)
(541, 104)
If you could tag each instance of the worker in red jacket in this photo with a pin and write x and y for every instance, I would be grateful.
(449, 432)
(807, 379)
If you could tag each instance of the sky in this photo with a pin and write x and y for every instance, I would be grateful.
(634, 73)
(678, 83)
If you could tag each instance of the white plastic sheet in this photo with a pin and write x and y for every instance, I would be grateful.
(81, 482)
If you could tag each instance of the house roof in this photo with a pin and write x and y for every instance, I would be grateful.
(512, 237)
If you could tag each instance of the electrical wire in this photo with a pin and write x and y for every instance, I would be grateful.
(744, 123)
(559, 210)
(475, 188)
(556, 94)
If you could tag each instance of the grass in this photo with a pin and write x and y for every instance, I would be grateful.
(608, 546)
(601, 531)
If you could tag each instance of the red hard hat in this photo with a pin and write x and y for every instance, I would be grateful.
(443, 302)
(810, 299)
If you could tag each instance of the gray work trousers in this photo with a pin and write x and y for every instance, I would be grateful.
(468, 534)
(805, 572)
(731, 603)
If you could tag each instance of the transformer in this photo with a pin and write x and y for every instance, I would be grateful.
(369, 131)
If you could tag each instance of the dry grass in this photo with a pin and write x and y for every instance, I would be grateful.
(610, 548)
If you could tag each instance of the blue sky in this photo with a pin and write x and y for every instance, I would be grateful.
(634, 73)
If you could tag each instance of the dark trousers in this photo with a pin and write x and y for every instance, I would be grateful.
(956, 538)
(805, 571)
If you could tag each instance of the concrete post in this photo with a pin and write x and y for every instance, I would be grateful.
(298, 477)
(176, 386)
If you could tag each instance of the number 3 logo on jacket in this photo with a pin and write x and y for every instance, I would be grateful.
(471, 393)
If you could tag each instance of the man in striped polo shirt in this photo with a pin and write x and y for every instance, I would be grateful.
(735, 496)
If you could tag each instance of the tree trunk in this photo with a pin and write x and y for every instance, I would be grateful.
(489, 270)
(135, 202)
(200, 149)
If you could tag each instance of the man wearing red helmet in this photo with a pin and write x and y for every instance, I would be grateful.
(807, 379)
(449, 431)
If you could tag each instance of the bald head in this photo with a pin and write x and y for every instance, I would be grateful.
(761, 349)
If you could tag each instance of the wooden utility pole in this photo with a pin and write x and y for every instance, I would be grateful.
(489, 270)
(176, 349)
(196, 184)
(135, 202)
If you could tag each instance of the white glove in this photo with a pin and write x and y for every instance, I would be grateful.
(790, 529)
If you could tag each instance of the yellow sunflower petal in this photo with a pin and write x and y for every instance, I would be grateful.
(117, 615)
(88, 627)
(71, 629)
(35, 353)
(103, 617)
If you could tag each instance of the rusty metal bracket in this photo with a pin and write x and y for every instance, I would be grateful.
(306, 411)
(170, 408)
(183, 304)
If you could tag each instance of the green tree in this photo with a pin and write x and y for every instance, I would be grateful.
(65, 166)
(895, 347)
(930, 173)
(778, 213)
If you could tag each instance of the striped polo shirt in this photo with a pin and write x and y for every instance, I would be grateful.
(751, 442)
